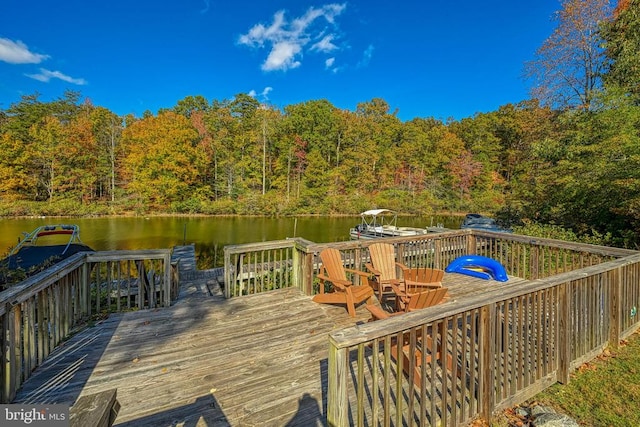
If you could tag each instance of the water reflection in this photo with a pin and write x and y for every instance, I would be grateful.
(209, 234)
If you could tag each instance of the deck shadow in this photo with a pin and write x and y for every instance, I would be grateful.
(205, 409)
(64, 373)
(308, 413)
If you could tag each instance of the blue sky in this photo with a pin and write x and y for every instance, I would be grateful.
(426, 58)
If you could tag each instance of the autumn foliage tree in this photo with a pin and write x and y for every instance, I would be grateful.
(622, 39)
(162, 163)
(568, 67)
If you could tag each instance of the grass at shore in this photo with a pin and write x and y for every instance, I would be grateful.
(603, 392)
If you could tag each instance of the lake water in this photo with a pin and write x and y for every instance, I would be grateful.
(209, 234)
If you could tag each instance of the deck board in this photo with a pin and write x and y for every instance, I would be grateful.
(253, 360)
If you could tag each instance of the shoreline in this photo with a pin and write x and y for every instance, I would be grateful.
(200, 215)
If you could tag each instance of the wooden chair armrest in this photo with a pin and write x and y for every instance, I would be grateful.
(342, 284)
(358, 272)
(372, 269)
(397, 289)
(403, 267)
(378, 313)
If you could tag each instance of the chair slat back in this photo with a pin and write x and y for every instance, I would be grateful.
(383, 259)
(428, 275)
(332, 263)
(426, 299)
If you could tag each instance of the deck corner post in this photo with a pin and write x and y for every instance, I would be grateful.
(487, 360)
(564, 332)
(303, 270)
(472, 243)
(337, 401)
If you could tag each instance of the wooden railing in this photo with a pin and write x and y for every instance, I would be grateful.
(486, 352)
(39, 313)
(260, 267)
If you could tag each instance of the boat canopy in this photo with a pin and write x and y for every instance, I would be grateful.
(374, 212)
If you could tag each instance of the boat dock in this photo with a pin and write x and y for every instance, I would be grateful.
(274, 358)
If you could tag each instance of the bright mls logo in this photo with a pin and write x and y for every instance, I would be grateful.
(34, 415)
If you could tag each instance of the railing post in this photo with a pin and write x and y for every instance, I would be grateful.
(228, 276)
(167, 280)
(437, 258)
(297, 268)
(472, 245)
(534, 262)
(358, 262)
(564, 332)
(337, 373)
(615, 279)
(85, 292)
(400, 253)
(5, 357)
(307, 273)
(487, 360)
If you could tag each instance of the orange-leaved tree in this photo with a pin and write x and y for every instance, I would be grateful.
(163, 163)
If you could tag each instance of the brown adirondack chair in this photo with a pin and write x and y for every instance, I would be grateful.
(412, 300)
(343, 290)
(389, 272)
(403, 349)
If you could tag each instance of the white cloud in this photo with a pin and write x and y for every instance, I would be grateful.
(366, 56)
(264, 94)
(287, 40)
(206, 7)
(329, 62)
(18, 53)
(46, 75)
(282, 57)
(325, 45)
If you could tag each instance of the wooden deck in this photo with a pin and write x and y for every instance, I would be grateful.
(247, 361)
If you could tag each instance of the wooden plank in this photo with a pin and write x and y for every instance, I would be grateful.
(96, 410)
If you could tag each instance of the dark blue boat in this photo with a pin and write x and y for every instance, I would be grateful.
(42, 245)
(481, 222)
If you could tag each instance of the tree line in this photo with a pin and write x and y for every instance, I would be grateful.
(568, 156)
